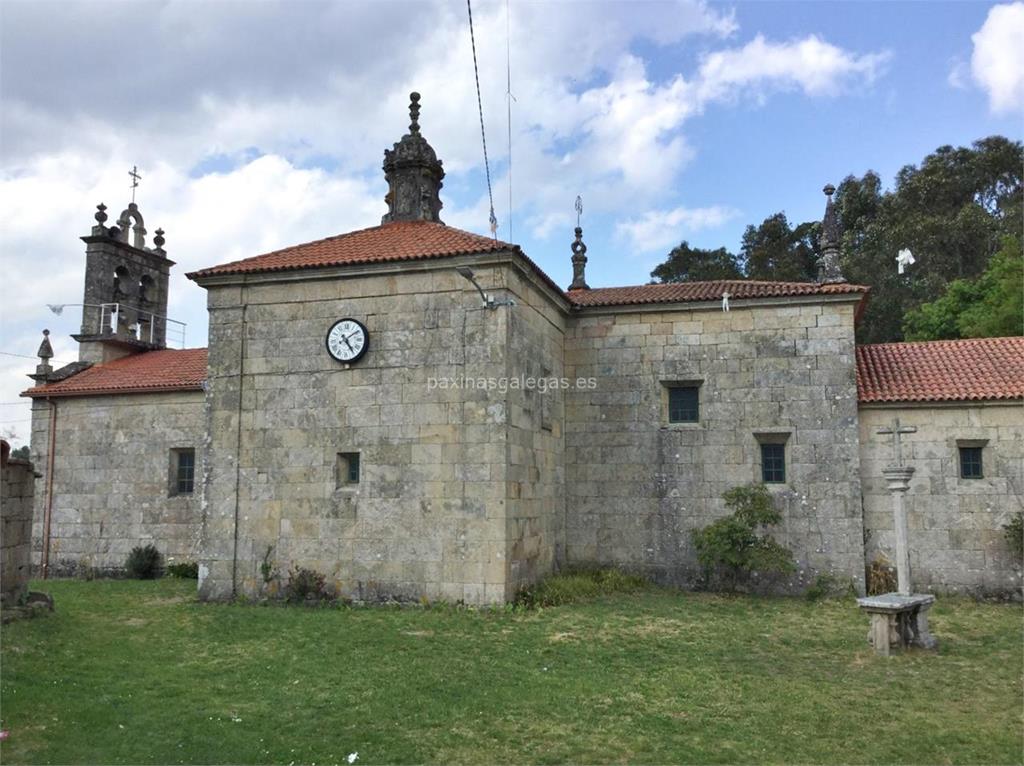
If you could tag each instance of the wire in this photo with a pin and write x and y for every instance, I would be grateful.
(483, 134)
(33, 358)
(509, 98)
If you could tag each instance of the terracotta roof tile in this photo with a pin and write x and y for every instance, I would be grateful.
(399, 241)
(945, 370)
(149, 372)
(685, 292)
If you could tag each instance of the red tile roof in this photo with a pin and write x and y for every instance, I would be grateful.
(146, 373)
(685, 292)
(399, 241)
(939, 371)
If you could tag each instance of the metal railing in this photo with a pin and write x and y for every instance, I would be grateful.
(123, 320)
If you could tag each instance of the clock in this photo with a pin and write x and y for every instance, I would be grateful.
(347, 340)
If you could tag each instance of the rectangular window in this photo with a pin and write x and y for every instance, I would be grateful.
(183, 471)
(347, 469)
(970, 463)
(683, 404)
(773, 463)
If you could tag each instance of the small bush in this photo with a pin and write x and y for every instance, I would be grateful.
(186, 570)
(881, 577)
(732, 547)
(305, 585)
(143, 563)
(579, 585)
(829, 586)
(1014, 533)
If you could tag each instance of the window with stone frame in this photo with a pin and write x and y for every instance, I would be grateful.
(683, 402)
(347, 469)
(772, 448)
(971, 465)
(183, 471)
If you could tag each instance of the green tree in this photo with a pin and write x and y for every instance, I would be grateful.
(990, 306)
(775, 251)
(951, 211)
(694, 264)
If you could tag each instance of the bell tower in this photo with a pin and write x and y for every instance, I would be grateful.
(124, 307)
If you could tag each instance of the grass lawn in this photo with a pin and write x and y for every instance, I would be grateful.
(139, 672)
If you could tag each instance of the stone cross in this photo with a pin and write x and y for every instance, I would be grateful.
(897, 477)
(134, 173)
(897, 446)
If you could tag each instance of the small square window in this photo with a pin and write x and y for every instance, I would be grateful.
(773, 463)
(683, 404)
(183, 471)
(347, 469)
(970, 463)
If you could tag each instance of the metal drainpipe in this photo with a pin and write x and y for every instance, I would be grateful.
(238, 453)
(47, 518)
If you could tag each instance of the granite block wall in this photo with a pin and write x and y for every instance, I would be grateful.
(428, 517)
(636, 485)
(956, 538)
(536, 404)
(16, 487)
(112, 478)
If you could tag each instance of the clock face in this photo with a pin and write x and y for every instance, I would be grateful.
(347, 340)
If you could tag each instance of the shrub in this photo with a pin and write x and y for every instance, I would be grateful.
(1014, 533)
(305, 585)
(579, 585)
(881, 577)
(732, 546)
(143, 563)
(186, 570)
(829, 586)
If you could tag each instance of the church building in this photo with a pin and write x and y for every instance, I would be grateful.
(417, 411)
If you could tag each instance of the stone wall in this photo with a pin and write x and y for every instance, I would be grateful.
(955, 525)
(637, 486)
(16, 485)
(429, 517)
(112, 478)
(536, 444)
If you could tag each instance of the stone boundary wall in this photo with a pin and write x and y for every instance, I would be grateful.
(16, 489)
(957, 543)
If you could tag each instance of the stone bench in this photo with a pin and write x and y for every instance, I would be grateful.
(898, 620)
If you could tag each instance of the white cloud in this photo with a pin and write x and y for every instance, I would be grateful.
(959, 74)
(997, 63)
(660, 229)
(812, 65)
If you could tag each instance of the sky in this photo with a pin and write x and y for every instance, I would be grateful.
(261, 124)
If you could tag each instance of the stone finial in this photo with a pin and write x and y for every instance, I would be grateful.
(101, 214)
(45, 351)
(579, 262)
(158, 240)
(45, 354)
(414, 113)
(414, 175)
(829, 270)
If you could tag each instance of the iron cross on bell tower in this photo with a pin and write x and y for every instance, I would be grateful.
(136, 177)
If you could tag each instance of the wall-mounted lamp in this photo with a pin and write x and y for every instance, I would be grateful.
(488, 300)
